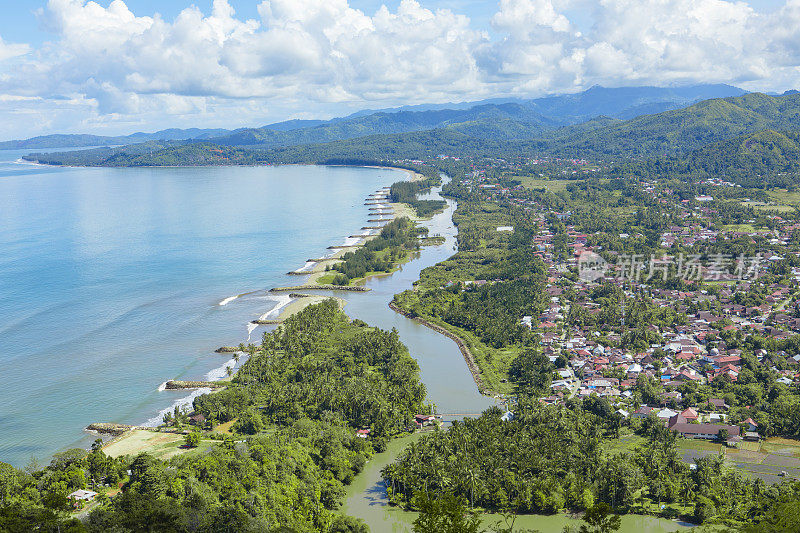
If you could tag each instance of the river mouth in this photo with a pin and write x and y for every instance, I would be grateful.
(450, 387)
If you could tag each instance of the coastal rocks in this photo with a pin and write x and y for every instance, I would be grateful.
(227, 349)
(109, 428)
(175, 384)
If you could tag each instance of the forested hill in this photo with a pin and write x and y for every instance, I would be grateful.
(506, 121)
(81, 140)
(498, 131)
(684, 130)
(763, 159)
(413, 145)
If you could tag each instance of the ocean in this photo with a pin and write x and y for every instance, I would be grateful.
(113, 281)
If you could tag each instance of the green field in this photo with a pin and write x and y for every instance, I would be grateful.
(555, 186)
(158, 444)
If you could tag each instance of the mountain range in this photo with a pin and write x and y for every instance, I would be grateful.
(752, 139)
(508, 119)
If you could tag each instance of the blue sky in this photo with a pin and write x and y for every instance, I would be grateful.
(115, 67)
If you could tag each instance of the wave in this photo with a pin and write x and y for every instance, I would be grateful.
(180, 402)
(228, 300)
(281, 301)
(162, 387)
(308, 266)
(222, 371)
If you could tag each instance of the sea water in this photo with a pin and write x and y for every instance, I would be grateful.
(113, 281)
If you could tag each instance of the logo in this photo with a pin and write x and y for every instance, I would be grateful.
(591, 266)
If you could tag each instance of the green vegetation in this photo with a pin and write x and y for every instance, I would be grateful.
(548, 458)
(298, 402)
(381, 254)
(405, 192)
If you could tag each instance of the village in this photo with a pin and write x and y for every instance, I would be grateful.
(722, 297)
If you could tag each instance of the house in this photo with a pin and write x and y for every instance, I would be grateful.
(642, 413)
(424, 420)
(752, 436)
(690, 415)
(81, 495)
(751, 424)
(718, 403)
(701, 431)
(362, 433)
(666, 414)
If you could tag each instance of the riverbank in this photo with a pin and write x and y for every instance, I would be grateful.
(469, 359)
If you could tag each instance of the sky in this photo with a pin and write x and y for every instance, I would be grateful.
(115, 67)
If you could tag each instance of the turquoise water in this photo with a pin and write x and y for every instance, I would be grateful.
(111, 281)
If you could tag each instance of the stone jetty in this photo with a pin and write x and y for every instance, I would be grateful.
(175, 384)
(322, 287)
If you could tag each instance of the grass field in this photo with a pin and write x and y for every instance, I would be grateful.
(226, 427)
(784, 197)
(783, 201)
(742, 228)
(555, 186)
(161, 445)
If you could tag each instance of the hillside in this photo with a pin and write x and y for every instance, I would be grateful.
(763, 159)
(482, 121)
(684, 130)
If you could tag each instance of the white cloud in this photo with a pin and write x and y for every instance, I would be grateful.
(11, 50)
(304, 56)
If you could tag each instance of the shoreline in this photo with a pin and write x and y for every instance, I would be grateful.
(211, 385)
(298, 302)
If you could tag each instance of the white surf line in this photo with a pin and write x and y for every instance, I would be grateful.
(282, 301)
(180, 402)
(228, 300)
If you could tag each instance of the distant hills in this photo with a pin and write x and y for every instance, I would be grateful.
(81, 140)
(752, 139)
(489, 119)
(496, 118)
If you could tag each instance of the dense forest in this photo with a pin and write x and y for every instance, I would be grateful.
(548, 458)
(297, 402)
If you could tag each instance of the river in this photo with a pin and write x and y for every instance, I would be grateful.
(450, 387)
